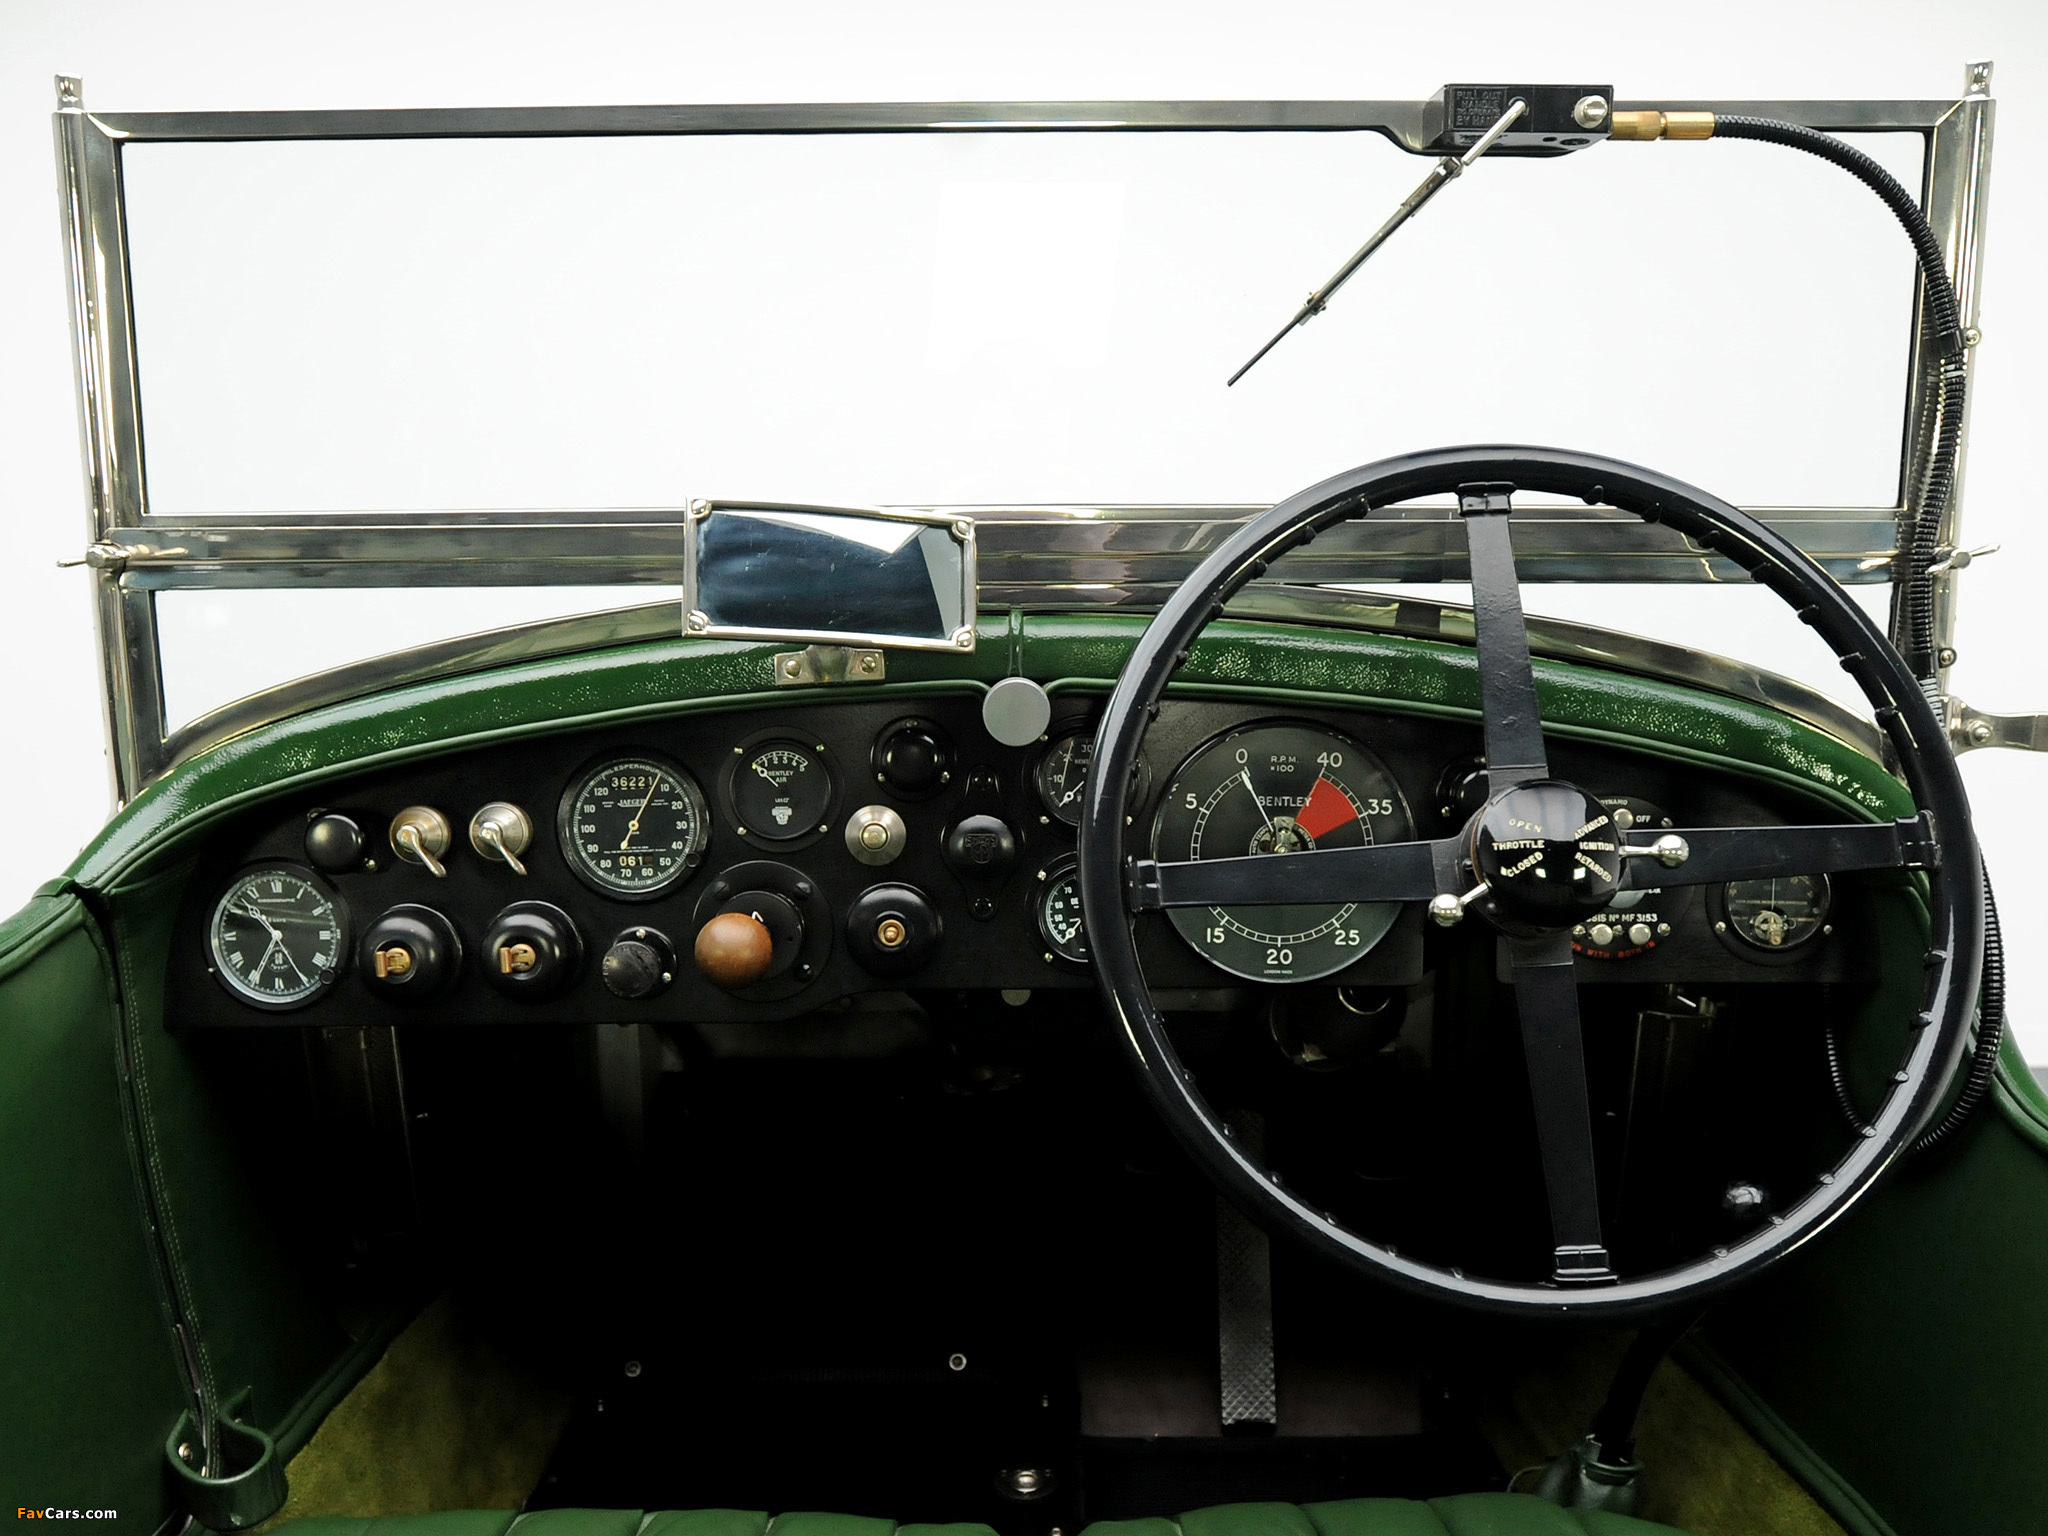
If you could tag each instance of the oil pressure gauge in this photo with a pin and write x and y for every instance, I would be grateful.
(1059, 911)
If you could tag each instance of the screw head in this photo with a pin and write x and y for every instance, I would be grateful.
(1590, 111)
(1980, 731)
(1946, 656)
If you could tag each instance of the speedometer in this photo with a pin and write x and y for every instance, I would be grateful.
(633, 826)
(1280, 789)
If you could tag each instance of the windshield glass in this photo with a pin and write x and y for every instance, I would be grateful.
(962, 318)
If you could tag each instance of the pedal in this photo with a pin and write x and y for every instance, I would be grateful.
(1244, 1306)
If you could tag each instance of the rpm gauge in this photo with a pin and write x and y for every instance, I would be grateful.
(1280, 789)
(634, 826)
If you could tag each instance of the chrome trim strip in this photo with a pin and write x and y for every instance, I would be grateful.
(1404, 122)
(1956, 196)
(1016, 546)
(1378, 613)
(109, 430)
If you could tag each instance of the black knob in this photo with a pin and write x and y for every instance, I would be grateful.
(335, 844)
(639, 964)
(892, 930)
(531, 950)
(409, 955)
(912, 757)
(981, 849)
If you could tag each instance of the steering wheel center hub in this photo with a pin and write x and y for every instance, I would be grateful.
(1548, 852)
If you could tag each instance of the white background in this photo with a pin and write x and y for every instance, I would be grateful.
(186, 56)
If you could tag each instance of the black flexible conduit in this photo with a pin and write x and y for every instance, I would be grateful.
(1983, 1054)
(1918, 540)
(1913, 606)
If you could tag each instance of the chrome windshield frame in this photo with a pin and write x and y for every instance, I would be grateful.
(1029, 557)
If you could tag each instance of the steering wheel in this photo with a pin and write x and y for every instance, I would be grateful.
(1539, 855)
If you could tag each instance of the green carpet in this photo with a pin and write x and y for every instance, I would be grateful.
(442, 1421)
(1702, 1471)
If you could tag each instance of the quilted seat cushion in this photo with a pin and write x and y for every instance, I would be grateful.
(1465, 1514)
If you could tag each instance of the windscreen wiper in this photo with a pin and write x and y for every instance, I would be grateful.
(1589, 113)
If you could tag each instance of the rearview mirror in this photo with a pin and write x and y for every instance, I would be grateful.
(757, 571)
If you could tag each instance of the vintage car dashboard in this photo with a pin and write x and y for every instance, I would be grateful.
(888, 844)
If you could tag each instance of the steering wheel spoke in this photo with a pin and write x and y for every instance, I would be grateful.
(1375, 872)
(1708, 855)
(1507, 678)
(1547, 998)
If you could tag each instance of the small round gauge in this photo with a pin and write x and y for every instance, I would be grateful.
(1280, 789)
(781, 790)
(1061, 776)
(1059, 911)
(1777, 914)
(633, 826)
(277, 936)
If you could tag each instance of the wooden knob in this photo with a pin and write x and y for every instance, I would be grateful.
(734, 950)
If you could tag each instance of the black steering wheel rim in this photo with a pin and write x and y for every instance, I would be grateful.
(1925, 762)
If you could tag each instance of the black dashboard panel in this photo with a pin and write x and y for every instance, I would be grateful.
(983, 930)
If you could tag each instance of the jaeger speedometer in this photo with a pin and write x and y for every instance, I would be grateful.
(1280, 789)
(633, 826)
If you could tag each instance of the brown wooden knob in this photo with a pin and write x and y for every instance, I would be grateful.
(734, 950)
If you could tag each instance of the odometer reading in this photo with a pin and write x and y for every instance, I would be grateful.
(1280, 789)
(634, 827)
(277, 937)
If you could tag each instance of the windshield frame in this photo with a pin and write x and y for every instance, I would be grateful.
(1041, 557)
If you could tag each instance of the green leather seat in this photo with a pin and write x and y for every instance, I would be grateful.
(1465, 1514)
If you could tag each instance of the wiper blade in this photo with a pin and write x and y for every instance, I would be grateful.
(1441, 175)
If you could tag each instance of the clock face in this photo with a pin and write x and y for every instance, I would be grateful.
(277, 937)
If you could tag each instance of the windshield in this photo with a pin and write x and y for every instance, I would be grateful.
(964, 318)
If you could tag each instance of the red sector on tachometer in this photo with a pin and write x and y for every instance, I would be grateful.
(1326, 809)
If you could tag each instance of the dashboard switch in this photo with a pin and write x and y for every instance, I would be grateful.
(892, 929)
(912, 758)
(531, 950)
(409, 955)
(876, 835)
(420, 835)
(335, 843)
(640, 964)
(981, 849)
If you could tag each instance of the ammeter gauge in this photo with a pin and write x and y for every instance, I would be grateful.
(1782, 913)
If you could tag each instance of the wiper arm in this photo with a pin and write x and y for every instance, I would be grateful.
(1441, 175)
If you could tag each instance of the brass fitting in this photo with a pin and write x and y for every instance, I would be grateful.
(1642, 127)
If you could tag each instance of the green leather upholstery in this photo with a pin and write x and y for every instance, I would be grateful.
(1465, 1514)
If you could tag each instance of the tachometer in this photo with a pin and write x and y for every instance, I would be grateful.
(633, 826)
(1280, 789)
